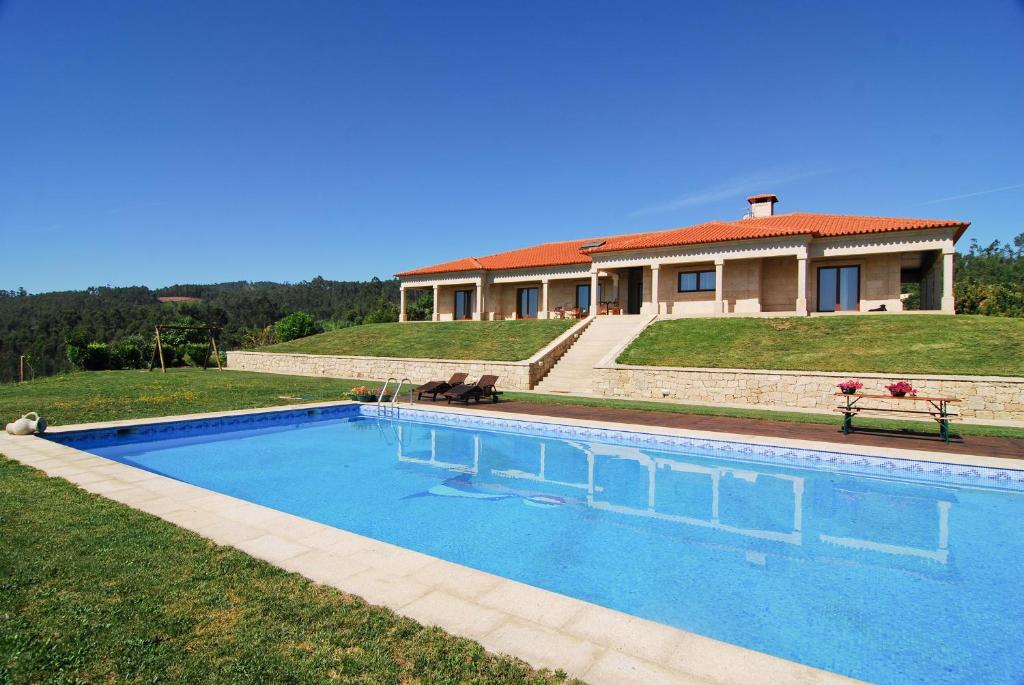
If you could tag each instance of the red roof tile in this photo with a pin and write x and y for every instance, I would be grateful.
(781, 225)
(548, 254)
(816, 225)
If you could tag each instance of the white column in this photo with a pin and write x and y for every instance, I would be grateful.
(401, 303)
(948, 304)
(545, 312)
(435, 317)
(593, 293)
(719, 264)
(655, 270)
(478, 303)
(801, 285)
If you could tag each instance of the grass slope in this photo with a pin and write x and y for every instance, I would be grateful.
(490, 340)
(92, 591)
(964, 345)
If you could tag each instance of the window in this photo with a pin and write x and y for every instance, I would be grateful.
(463, 304)
(583, 295)
(526, 303)
(696, 281)
(838, 288)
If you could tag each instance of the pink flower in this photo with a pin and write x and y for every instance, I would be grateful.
(901, 387)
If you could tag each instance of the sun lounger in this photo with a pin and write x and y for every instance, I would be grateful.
(435, 388)
(483, 388)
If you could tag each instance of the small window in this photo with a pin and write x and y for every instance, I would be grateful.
(696, 281)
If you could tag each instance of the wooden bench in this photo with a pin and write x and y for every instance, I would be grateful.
(935, 407)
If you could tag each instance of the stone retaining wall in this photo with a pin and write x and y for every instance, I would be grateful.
(984, 397)
(512, 375)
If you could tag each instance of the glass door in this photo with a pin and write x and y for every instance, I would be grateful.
(583, 295)
(526, 303)
(838, 288)
(463, 305)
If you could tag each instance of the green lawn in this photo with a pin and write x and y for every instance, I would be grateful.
(92, 591)
(490, 340)
(922, 343)
(110, 395)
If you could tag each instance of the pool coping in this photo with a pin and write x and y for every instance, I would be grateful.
(544, 628)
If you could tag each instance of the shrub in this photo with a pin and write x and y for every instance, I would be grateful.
(132, 352)
(421, 308)
(387, 313)
(171, 354)
(258, 337)
(196, 353)
(336, 324)
(96, 357)
(75, 343)
(296, 325)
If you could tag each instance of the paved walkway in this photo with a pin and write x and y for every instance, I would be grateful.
(1010, 448)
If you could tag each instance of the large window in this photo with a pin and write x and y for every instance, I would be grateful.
(696, 281)
(463, 304)
(583, 295)
(526, 303)
(838, 288)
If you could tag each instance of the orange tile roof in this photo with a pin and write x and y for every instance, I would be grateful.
(548, 254)
(780, 225)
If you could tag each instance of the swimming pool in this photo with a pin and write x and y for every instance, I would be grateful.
(881, 569)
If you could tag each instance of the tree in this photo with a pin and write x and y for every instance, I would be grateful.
(296, 325)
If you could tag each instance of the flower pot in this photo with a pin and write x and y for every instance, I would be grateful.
(898, 394)
(849, 391)
(363, 398)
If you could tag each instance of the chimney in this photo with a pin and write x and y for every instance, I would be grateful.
(762, 205)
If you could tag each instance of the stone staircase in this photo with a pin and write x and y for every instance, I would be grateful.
(574, 372)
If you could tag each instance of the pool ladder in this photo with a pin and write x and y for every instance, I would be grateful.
(391, 409)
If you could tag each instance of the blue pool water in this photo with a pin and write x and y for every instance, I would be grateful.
(852, 569)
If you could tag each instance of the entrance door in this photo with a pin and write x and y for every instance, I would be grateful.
(526, 303)
(463, 305)
(635, 291)
(838, 288)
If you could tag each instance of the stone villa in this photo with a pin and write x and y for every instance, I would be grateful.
(764, 264)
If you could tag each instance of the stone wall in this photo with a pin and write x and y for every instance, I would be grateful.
(521, 375)
(513, 375)
(984, 397)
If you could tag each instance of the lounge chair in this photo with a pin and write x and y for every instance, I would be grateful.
(435, 388)
(474, 391)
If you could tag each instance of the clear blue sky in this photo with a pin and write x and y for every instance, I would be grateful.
(161, 142)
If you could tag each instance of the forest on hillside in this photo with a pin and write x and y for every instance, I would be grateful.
(55, 330)
(40, 326)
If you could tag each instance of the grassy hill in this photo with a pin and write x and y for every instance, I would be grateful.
(490, 340)
(922, 343)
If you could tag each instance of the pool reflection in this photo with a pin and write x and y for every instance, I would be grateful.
(821, 513)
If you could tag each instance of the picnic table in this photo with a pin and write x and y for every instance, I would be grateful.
(936, 407)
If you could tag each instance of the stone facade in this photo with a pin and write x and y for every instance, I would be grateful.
(521, 375)
(984, 397)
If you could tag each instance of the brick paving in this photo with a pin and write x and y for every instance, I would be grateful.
(926, 439)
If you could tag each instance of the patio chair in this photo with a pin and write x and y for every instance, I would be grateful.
(474, 391)
(435, 388)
